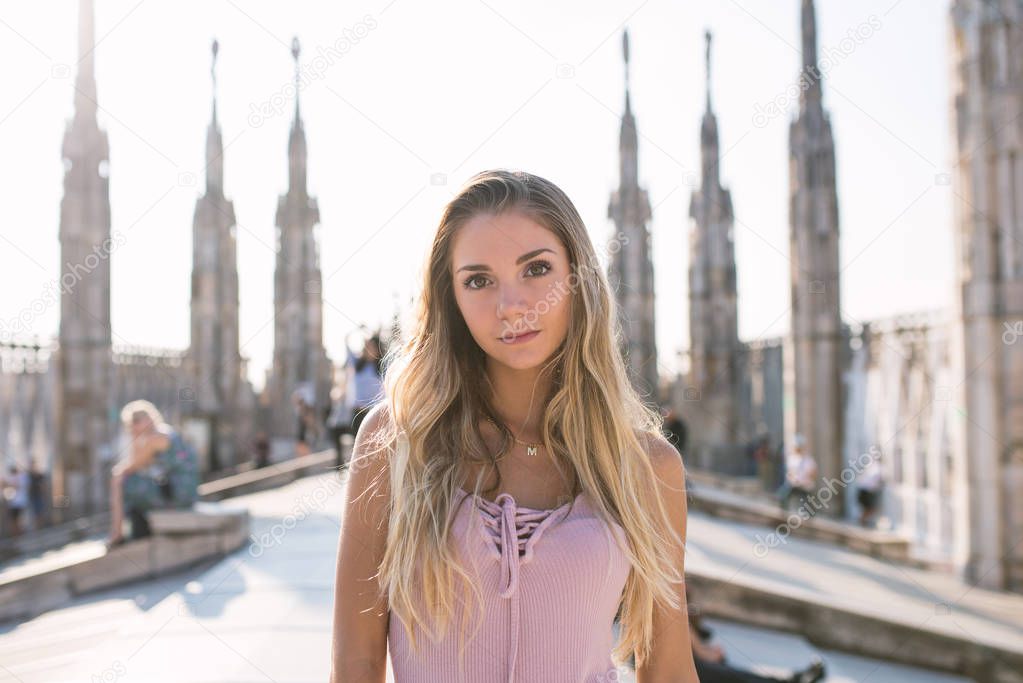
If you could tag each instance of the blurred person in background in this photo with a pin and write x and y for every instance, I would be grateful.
(800, 473)
(15, 489)
(674, 429)
(868, 493)
(763, 461)
(158, 470)
(365, 380)
(37, 495)
(304, 400)
(713, 666)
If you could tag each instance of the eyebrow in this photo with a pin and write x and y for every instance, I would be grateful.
(519, 260)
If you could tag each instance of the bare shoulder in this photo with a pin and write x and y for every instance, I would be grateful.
(668, 466)
(161, 439)
(147, 448)
(670, 482)
(374, 432)
(374, 427)
(369, 465)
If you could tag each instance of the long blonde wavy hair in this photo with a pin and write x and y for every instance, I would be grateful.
(595, 425)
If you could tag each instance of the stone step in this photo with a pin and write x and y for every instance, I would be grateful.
(37, 586)
(841, 628)
(200, 518)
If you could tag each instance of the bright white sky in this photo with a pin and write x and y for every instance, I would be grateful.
(456, 87)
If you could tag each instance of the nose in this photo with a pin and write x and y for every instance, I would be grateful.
(511, 304)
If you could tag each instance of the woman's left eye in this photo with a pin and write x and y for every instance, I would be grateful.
(544, 264)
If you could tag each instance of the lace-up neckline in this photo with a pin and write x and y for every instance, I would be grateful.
(510, 531)
(552, 580)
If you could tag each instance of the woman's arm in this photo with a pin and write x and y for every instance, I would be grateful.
(359, 643)
(671, 655)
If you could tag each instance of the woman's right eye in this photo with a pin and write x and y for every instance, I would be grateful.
(467, 283)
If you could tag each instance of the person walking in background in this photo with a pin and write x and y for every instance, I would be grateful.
(15, 490)
(304, 401)
(868, 493)
(763, 462)
(339, 419)
(800, 473)
(261, 449)
(37, 495)
(365, 381)
(778, 458)
(675, 429)
(749, 468)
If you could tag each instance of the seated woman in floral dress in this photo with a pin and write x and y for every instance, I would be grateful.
(159, 470)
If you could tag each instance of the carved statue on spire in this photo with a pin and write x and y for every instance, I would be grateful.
(296, 50)
(706, 36)
(625, 53)
(213, 64)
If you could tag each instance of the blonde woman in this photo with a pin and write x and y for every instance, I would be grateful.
(511, 494)
(158, 470)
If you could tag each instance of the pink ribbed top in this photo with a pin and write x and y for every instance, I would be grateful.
(551, 582)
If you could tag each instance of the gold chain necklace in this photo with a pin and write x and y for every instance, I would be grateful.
(531, 448)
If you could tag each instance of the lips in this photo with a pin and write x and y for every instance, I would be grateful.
(519, 338)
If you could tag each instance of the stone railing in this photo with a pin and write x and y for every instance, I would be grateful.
(750, 507)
